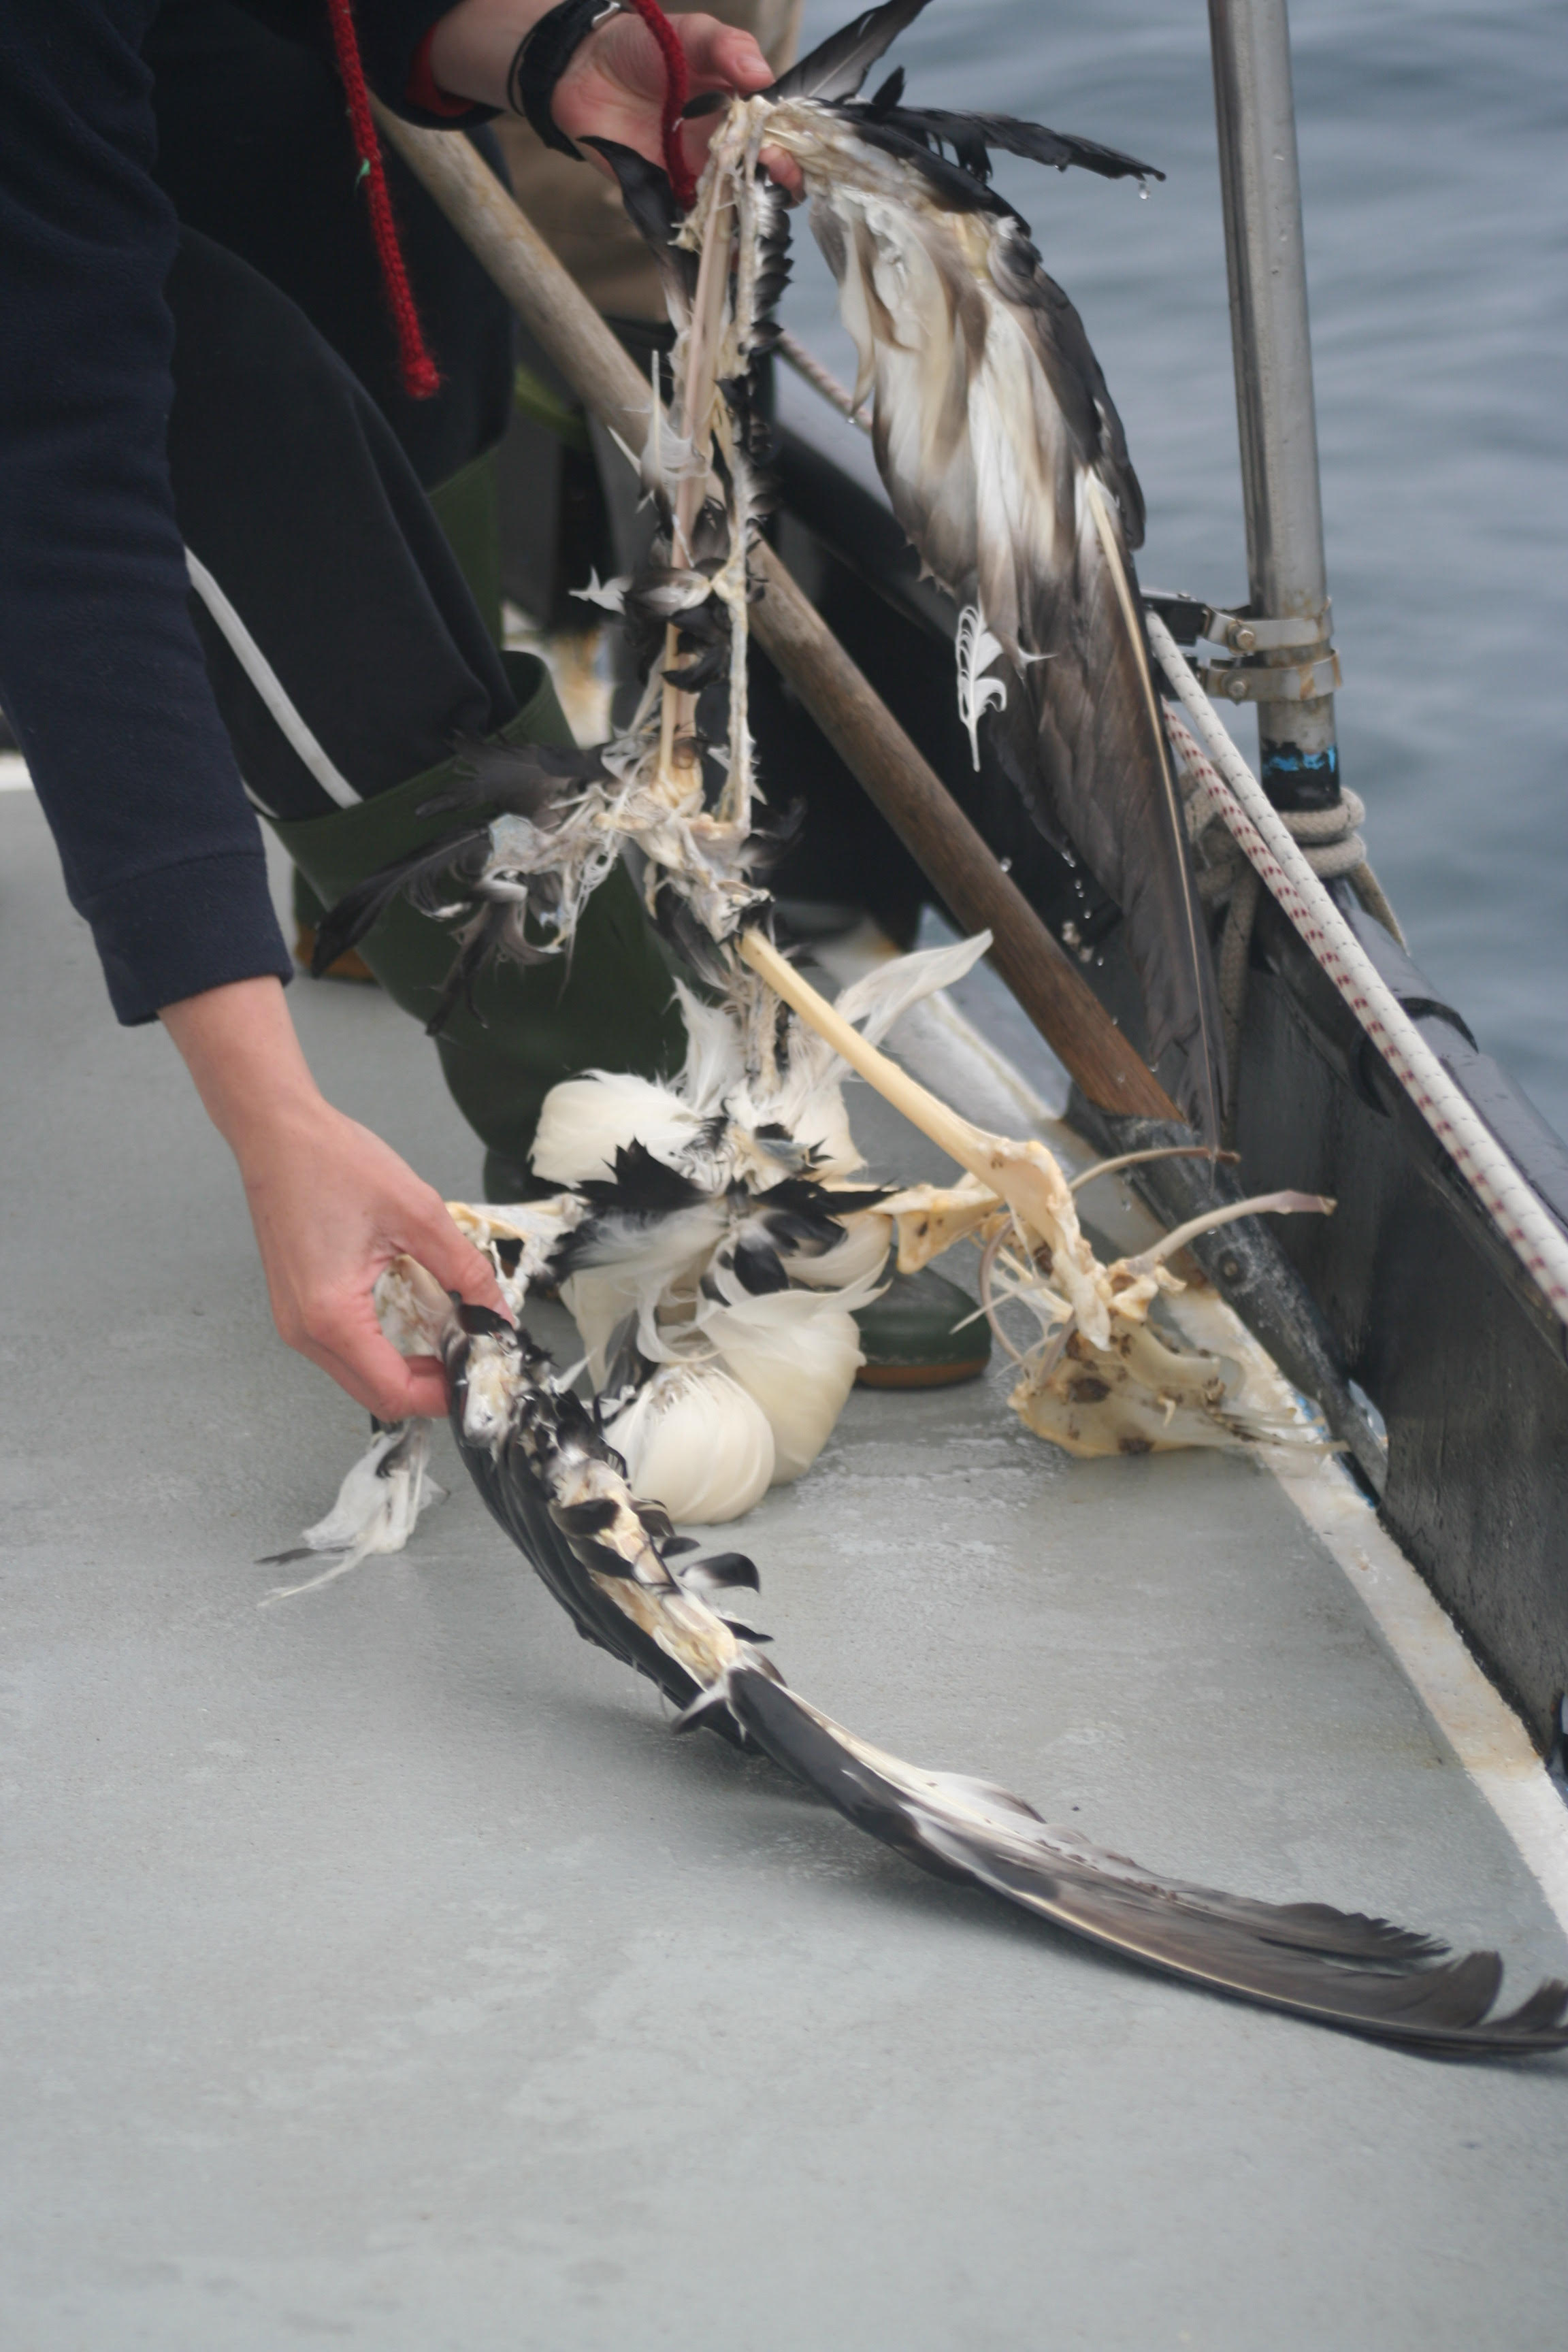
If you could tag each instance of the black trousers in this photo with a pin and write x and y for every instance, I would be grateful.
(344, 647)
(255, 152)
(296, 453)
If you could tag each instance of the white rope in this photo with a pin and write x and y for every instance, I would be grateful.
(823, 380)
(1519, 1217)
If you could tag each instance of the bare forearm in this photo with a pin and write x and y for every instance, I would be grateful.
(239, 1045)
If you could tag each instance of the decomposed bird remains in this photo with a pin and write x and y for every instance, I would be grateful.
(712, 1236)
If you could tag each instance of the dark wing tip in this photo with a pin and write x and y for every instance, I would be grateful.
(650, 206)
(838, 66)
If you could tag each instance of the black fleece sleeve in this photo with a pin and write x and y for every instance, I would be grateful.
(100, 672)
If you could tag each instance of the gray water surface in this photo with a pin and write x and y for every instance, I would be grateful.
(1432, 151)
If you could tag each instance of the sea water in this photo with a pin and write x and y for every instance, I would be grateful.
(1433, 165)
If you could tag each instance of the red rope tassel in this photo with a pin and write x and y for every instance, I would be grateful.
(677, 90)
(420, 375)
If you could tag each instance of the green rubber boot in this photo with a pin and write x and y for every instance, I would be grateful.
(611, 1005)
(923, 1333)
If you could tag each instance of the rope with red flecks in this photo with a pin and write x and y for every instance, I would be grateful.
(420, 375)
(1520, 1215)
(677, 90)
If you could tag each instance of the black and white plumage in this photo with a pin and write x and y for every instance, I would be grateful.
(721, 1246)
(554, 1482)
(1006, 464)
(541, 1455)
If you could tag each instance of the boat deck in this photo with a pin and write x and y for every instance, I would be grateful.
(378, 1968)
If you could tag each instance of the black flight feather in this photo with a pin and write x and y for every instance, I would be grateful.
(1365, 1976)
(973, 136)
(650, 204)
(1334, 1968)
(838, 66)
(515, 1476)
(1081, 733)
(528, 780)
(455, 860)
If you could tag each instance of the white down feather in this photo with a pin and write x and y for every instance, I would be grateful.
(693, 1440)
(859, 1256)
(585, 1122)
(638, 1265)
(378, 1505)
(796, 1352)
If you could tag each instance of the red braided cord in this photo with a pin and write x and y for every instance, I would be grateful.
(420, 376)
(677, 90)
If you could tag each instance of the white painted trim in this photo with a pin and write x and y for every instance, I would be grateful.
(1479, 1726)
(1482, 1729)
(269, 686)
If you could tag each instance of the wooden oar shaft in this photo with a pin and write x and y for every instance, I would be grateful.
(903, 785)
(950, 851)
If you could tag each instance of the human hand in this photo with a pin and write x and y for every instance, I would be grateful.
(613, 87)
(333, 1205)
(330, 1203)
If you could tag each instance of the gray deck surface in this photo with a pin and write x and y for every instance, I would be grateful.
(376, 1968)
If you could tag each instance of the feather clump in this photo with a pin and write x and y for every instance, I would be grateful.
(720, 1230)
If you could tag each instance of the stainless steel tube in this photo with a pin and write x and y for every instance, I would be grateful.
(1271, 345)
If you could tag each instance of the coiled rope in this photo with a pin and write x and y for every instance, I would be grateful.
(1327, 839)
(1281, 864)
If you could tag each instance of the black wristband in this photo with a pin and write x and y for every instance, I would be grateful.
(543, 56)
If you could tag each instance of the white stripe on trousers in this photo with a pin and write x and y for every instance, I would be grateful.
(269, 686)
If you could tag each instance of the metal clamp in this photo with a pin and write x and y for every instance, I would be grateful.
(1241, 631)
(1242, 681)
(1251, 632)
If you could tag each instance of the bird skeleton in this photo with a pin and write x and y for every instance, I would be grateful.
(707, 1234)
(657, 1275)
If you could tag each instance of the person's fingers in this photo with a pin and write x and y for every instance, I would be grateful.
(721, 57)
(426, 1388)
(454, 1261)
(348, 1343)
(374, 1374)
(782, 167)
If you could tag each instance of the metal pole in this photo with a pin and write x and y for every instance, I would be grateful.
(1290, 668)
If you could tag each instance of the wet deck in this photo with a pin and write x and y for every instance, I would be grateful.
(377, 1969)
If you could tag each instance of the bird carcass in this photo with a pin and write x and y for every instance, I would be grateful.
(711, 1234)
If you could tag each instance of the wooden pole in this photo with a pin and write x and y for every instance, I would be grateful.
(907, 790)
